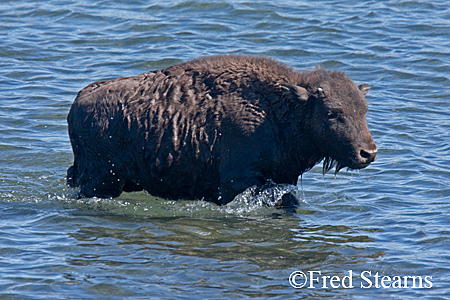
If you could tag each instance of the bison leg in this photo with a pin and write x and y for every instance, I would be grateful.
(95, 179)
(131, 186)
(287, 201)
(230, 188)
(71, 179)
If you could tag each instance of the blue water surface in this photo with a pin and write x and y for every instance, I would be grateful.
(390, 219)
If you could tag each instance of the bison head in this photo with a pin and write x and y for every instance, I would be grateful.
(336, 120)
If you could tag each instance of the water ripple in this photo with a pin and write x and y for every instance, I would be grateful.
(390, 217)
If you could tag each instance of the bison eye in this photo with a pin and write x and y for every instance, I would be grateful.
(332, 115)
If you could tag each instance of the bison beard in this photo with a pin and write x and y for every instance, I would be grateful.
(213, 127)
(329, 163)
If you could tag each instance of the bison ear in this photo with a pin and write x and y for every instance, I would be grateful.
(299, 92)
(364, 88)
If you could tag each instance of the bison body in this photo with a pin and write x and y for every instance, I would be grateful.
(210, 128)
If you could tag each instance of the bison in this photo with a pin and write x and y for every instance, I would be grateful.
(212, 127)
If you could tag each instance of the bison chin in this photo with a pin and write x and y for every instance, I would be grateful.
(330, 163)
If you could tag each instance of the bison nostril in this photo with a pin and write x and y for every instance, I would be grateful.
(368, 156)
(364, 154)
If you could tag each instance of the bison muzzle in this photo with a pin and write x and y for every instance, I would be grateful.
(215, 126)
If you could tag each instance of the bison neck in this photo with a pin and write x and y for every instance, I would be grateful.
(274, 152)
(296, 157)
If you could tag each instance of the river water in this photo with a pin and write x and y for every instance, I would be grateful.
(391, 219)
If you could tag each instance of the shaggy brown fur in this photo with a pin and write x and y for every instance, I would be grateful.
(212, 127)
